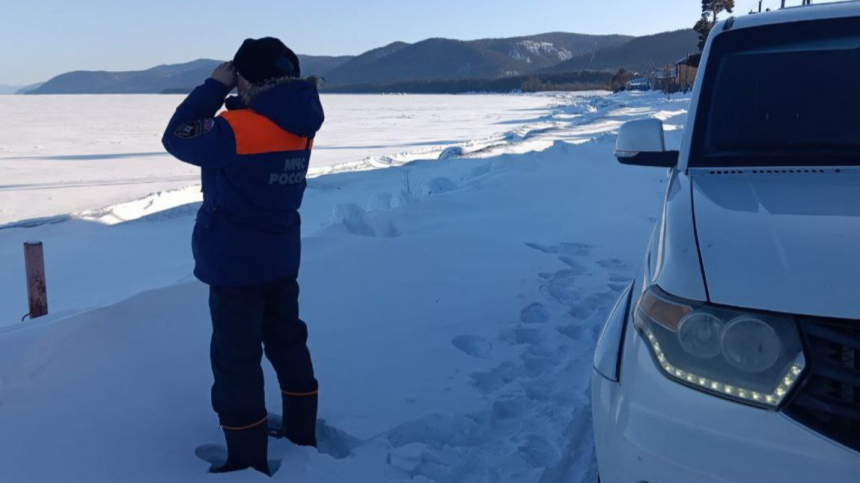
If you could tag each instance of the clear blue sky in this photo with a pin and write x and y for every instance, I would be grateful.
(43, 38)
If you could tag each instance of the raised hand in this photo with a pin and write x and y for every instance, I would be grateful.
(225, 74)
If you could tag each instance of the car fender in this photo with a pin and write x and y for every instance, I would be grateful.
(607, 355)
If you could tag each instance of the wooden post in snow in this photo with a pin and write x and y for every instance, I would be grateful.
(34, 262)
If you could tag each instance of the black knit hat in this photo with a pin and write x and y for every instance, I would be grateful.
(267, 58)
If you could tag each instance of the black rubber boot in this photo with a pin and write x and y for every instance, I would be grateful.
(300, 419)
(246, 448)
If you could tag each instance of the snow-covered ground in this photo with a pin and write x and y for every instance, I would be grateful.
(453, 303)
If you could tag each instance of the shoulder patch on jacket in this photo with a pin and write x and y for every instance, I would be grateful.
(192, 129)
(188, 130)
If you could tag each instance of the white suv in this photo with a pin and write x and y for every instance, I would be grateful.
(736, 356)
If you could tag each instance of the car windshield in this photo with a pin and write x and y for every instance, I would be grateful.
(785, 95)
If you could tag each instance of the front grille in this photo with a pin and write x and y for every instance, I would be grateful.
(829, 400)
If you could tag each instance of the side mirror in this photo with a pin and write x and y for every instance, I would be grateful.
(642, 143)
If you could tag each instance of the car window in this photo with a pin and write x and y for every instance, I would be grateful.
(786, 95)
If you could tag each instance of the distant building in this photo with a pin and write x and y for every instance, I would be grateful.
(638, 84)
(664, 79)
(687, 69)
(670, 78)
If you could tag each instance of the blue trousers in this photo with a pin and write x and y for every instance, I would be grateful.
(245, 320)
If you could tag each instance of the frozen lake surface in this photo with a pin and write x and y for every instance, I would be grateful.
(64, 154)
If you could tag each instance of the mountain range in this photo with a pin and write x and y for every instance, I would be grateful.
(641, 53)
(180, 77)
(446, 59)
(419, 64)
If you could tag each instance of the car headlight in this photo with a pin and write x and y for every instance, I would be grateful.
(754, 358)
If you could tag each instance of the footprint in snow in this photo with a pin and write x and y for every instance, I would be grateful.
(539, 390)
(331, 441)
(538, 452)
(576, 249)
(581, 332)
(543, 248)
(612, 263)
(596, 304)
(562, 287)
(511, 407)
(573, 331)
(570, 262)
(617, 287)
(581, 312)
(496, 378)
(522, 336)
(535, 313)
(472, 345)
(568, 249)
(335, 442)
(537, 365)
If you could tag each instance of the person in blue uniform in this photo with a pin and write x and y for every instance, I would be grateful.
(247, 238)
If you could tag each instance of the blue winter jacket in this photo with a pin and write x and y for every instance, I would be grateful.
(254, 162)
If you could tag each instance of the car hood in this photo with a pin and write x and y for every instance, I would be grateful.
(784, 241)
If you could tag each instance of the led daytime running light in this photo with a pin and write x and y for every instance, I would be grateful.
(788, 381)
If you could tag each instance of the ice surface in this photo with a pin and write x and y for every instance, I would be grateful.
(454, 345)
(62, 154)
